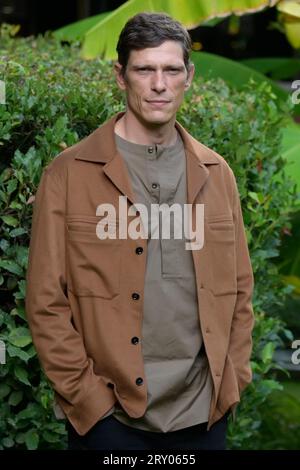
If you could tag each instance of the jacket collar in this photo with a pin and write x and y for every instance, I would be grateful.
(100, 147)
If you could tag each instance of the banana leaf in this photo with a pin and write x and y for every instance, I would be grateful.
(237, 74)
(76, 31)
(277, 68)
(291, 153)
(289, 260)
(101, 38)
(290, 16)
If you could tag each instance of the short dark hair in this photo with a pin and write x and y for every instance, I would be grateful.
(151, 30)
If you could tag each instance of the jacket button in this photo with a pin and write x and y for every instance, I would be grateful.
(110, 385)
(154, 185)
(139, 381)
(135, 296)
(135, 340)
(139, 250)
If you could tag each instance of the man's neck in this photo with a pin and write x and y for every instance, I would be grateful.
(134, 131)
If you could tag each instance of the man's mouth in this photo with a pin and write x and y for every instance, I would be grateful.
(158, 102)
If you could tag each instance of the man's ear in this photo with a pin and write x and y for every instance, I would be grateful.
(190, 76)
(119, 76)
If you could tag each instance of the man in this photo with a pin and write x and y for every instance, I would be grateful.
(147, 343)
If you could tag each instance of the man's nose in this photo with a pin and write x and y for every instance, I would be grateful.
(158, 82)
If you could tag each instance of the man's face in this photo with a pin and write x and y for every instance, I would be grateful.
(155, 82)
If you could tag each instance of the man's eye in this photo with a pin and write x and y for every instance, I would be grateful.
(147, 69)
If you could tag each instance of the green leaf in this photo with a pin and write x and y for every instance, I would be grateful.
(45, 401)
(16, 232)
(31, 440)
(288, 334)
(267, 352)
(10, 220)
(271, 384)
(254, 196)
(22, 290)
(22, 256)
(11, 266)
(291, 8)
(21, 375)
(20, 438)
(12, 186)
(15, 205)
(50, 436)
(21, 341)
(278, 68)
(20, 312)
(4, 390)
(15, 398)
(292, 155)
(76, 31)
(8, 442)
(14, 351)
(31, 412)
(20, 337)
(11, 283)
(4, 245)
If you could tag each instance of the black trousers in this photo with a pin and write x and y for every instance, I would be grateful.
(111, 434)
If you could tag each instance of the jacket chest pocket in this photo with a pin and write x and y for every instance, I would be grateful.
(220, 238)
(93, 263)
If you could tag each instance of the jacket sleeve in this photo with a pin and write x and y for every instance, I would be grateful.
(240, 342)
(59, 346)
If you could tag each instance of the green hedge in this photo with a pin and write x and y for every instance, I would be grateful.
(53, 100)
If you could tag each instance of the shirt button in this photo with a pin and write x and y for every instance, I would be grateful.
(150, 149)
(135, 296)
(135, 340)
(139, 381)
(139, 250)
(207, 330)
(154, 185)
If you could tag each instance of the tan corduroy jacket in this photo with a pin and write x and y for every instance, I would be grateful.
(84, 295)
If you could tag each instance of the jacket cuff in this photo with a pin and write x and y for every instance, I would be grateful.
(82, 416)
